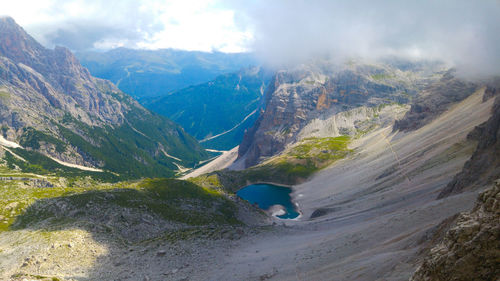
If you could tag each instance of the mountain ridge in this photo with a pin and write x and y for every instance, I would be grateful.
(52, 105)
(149, 73)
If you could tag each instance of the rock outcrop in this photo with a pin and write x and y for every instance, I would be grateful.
(470, 249)
(27, 68)
(434, 100)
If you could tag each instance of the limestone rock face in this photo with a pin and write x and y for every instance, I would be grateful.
(28, 70)
(470, 250)
(297, 96)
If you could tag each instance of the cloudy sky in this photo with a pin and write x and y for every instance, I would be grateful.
(462, 32)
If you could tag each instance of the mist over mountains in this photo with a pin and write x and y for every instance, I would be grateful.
(263, 140)
(460, 33)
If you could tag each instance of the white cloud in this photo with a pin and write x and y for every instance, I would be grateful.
(464, 33)
(461, 32)
(198, 25)
(82, 24)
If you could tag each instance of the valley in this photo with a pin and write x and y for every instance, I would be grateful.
(211, 166)
(370, 210)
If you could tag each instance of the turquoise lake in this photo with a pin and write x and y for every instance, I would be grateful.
(267, 195)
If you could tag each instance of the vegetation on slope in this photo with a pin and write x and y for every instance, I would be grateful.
(31, 138)
(138, 148)
(40, 164)
(292, 166)
(86, 201)
(215, 107)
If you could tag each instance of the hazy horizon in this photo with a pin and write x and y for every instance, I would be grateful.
(460, 33)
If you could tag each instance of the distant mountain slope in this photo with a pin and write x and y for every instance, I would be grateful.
(217, 112)
(52, 106)
(145, 73)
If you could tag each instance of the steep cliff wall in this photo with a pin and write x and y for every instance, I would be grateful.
(484, 165)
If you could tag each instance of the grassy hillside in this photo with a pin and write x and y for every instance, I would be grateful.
(138, 148)
(145, 145)
(293, 166)
(86, 201)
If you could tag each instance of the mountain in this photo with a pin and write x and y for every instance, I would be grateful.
(373, 199)
(434, 100)
(218, 112)
(296, 97)
(146, 73)
(373, 213)
(53, 108)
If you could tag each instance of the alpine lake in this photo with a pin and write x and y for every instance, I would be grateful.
(267, 196)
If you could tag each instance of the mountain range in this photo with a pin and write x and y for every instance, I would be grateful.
(217, 113)
(147, 73)
(52, 107)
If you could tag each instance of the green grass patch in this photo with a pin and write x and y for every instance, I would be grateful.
(16, 195)
(292, 166)
(381, 76)
(170, 199)
(209, 182)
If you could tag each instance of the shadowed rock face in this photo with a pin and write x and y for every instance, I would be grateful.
(434, 100)
(484, 165)
(469, 250)
(297, 96)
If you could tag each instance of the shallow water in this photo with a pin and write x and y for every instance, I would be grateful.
(267, 195)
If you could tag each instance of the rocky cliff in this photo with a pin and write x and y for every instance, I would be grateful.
(484, 165)
(296, 97)
(435, 99)
(50, 104)
(470, 249)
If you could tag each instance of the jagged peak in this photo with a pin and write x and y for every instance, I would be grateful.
(8, 26)
(18, 46)
(6, 18)
(16, 43)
